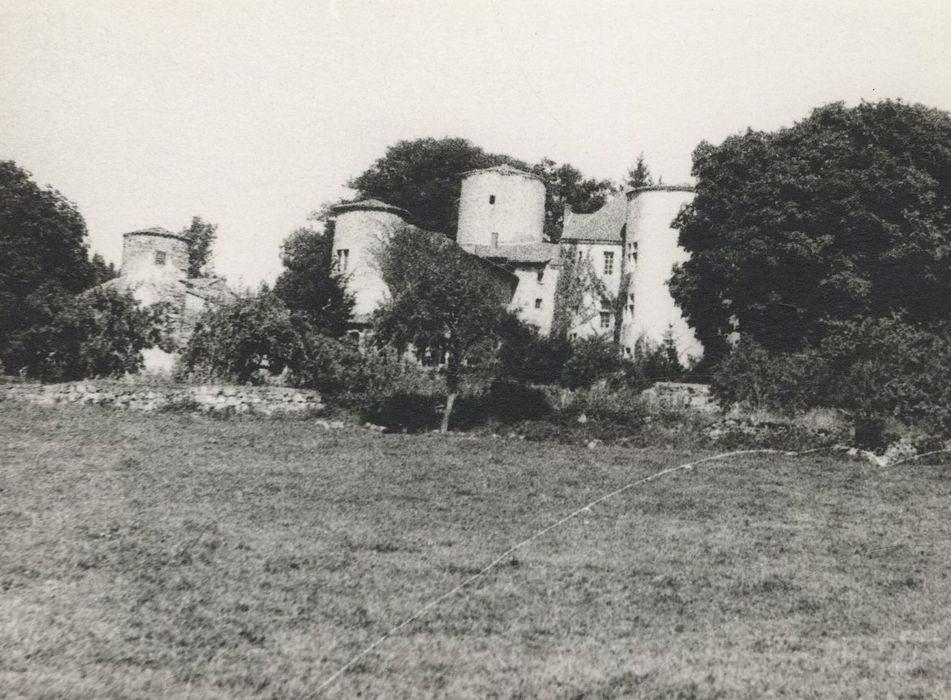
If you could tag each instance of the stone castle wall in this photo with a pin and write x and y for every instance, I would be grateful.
(259, 400)
(138, 254)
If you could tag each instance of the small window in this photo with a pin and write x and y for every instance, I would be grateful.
(491, 199)
(541, 275)
(343, 259)
(609, 263)
(159, 257)
(495, 239)
(605, 319)
(538, 303)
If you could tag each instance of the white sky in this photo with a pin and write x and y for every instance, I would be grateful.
(251, 114)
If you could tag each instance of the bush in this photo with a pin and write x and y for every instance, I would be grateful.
(98, 334)
(526, 356)
(598, 358)
(874, 368)
(243, 341)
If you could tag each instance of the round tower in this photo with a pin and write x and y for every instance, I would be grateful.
(153, 252)
(654, 249)
(360, 230)
(501, 206)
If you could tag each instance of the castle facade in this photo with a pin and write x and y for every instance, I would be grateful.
(619, 257)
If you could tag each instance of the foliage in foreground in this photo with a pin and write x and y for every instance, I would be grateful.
(846, 214)
(101, 333)
(44, 251)
(310, 284)
(871, 367)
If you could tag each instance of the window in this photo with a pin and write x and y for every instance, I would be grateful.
(538, 303)
(343, 258)
(159, 257)
(541, 275)
(491, 199)
(495, 239)
(609, 263)
(605, 319)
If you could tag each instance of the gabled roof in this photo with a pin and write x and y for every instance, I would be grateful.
(603, 226)
(572, 222)
(527, 253)
(370, 205)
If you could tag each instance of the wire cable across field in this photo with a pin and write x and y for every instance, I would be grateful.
(687, 466)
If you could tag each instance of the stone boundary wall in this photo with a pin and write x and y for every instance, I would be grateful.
(260, 400)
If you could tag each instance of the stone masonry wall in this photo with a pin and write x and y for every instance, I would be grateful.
(260, 400)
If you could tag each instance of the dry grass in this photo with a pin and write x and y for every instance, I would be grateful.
(176, 555)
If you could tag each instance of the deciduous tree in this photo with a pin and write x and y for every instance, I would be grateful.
(846, 214)
(442, 301)
(310, 285)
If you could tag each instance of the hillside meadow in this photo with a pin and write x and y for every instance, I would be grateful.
(177, 555)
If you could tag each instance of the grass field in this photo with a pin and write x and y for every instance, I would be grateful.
(174, 555)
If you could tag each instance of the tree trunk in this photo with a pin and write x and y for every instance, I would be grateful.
(450, 400)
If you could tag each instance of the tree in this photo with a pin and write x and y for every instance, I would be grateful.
(201, 236)
(42, 246)
(101, 333)
(443, 302)
(846, 214)
(565, 185)
(640, 174)
(423, 177)
(309, 284)
(244, 340)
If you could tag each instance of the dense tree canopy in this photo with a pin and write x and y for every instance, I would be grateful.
(310, 285)
(843, 215)
(43, 249)
(101, 333)
(423, 177)
(442, 301)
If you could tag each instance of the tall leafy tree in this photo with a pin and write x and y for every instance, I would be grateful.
(846, 214)
(565, 185)
(309, 284)
(201, 236)
(442, 301)
(44, 252)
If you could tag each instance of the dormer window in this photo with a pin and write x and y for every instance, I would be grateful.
(159, 257)
(491, 199)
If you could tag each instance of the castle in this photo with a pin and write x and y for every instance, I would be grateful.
(627, 249)
(155, 269)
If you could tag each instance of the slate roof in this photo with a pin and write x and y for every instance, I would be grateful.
(156, 231)
(603, 226)
(370, 205)
(528, 253)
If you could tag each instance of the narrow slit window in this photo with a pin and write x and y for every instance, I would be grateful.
(495, 239)
(491, 199)
(538, 303)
